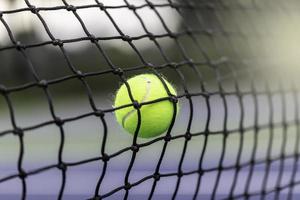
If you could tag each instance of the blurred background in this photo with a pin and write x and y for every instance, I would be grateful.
(243, 53)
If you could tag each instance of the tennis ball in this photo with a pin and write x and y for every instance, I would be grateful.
(155, 117)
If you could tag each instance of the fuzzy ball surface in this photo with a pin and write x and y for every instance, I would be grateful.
(155, 117)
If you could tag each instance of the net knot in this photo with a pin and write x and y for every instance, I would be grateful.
(150, 4)
(173, 99)
(151, 36)
(93, 38)
(173, 65)
(188, 136)
(1, 14)
(58, 121)
(96, 198)
(173, 5)
(71, 8)
(62, 166)
(43, 84)
(156, 176)
(126, 38)
(101, 5)
(135, 148)
(190, 61)
(150, 65)
(57, 42)
(22, 174)
(105, 157)
(167, 138)
(18, 131)
(127, 186)
(79, 74)
(188, 96)
(19, 46)
(99, 113)
(200, 172)
(136, 105)
(34, 10)
(118, 71)
(172, 35)
(131, 7)
(179, 173)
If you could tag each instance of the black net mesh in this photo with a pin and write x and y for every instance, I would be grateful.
(234, 64)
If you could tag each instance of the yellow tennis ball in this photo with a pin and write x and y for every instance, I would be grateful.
(155, 117)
